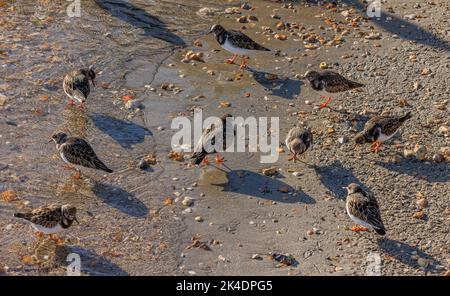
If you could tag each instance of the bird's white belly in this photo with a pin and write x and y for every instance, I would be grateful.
(235, 50)
(287, 145)
(70, 96)
(56, 229)
(64, 158)
(73, 98)
(383, 138)
(358, 221)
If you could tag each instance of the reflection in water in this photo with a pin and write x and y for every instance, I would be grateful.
(76, 122)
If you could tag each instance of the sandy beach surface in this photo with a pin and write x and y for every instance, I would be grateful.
(171, 219)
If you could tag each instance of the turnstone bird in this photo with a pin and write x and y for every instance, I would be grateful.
(237, 43)
(50, 219)
(380, 129)
(207, 141)
(76, 85)
(331, 82)
(363, 209)
(76, 151)
(298, 141)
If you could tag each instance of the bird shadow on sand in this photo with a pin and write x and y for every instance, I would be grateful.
(282, 87)
(139, 18)
(123, 132)
(432, 172)
(398, 26)
(257, 185)
(120, 199)
(91, 263)
(335, 176)
(409, 255)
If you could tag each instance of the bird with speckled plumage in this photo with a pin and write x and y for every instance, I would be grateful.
(331, 82)
(76, 85)
(237, 43)
(76, 151)
(363, 209)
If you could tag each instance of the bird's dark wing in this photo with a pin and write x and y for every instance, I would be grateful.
(334, 82)
(365, 207)
(208, 139)
(47, 216)
(389, 125)
(79, 152)
(76, 85)
(239, 39)
(372, 129)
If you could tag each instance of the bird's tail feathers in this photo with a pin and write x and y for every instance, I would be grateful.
(21, 215)
(406, 116)
(354, 84)
(79, 96)
(103, 166)
(380, 231)
(360, 138)
(198, 157)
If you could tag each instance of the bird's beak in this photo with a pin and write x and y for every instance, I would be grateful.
(51, 140)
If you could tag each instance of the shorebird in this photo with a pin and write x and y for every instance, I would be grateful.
(76, 85)
(207, 142)
(298, 141)
(50, 219)
(331, 82)
(380, 129)
(76, 151)
(237, 43)
(363, 209)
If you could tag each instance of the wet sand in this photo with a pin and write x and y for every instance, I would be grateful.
(126, 224)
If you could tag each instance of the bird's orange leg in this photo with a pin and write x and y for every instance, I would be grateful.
(325, 104)
(219, 159)
(59, 241)
(71, 103)
(82, 106)
(231, 61)
(206, 160)
(77, 175)
(376, 146)
(69, 167)
(293, 157)
(39, 234)
(358, 228)
(244, 62)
